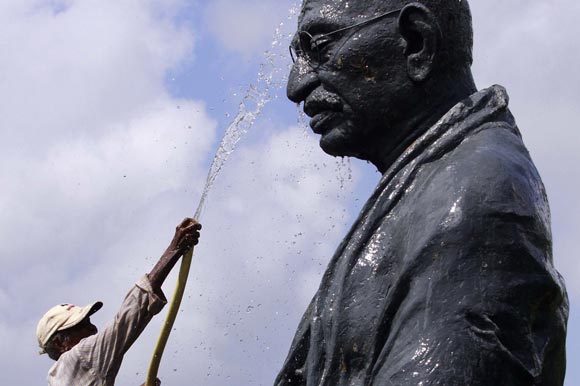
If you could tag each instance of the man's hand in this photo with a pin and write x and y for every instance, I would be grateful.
(186, 236)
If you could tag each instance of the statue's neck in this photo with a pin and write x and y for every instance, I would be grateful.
(447, 93)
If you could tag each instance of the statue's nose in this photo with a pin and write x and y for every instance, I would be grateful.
(301, 81)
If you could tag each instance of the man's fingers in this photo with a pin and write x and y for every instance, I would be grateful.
(190, 226)
(193, 227)
(191, 236)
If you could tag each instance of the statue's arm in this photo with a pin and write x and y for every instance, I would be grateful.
(493, 314)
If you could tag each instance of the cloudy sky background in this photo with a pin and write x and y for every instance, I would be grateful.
(110, 113)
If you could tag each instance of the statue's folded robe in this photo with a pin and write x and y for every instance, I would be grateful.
(446, 278)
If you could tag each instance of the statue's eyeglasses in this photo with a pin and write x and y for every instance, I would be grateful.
(311, 48)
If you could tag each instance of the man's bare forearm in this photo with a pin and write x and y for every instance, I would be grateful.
(161, 270)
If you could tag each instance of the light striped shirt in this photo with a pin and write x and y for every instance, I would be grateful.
(95, 361)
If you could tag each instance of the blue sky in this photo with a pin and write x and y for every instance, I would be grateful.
(110, 113)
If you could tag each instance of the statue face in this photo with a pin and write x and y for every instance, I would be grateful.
(352, 82)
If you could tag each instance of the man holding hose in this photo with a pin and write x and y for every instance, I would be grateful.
(85, 357)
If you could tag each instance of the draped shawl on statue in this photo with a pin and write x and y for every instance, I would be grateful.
(446, 277)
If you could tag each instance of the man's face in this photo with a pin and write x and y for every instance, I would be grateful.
(79, 332)
(354, 90)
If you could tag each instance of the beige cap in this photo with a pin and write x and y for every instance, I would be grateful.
(60, 318)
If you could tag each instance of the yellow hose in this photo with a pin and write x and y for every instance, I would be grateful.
(170, 318)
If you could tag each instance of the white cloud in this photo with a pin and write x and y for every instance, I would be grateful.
(62, 71)
(78, 181)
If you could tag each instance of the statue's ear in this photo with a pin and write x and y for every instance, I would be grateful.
(422, 34)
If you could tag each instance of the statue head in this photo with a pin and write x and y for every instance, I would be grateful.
(374, 73)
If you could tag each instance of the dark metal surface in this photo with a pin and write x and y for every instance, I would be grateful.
(446, 277)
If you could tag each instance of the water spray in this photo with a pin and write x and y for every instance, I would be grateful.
(270, 76)
(239, 126)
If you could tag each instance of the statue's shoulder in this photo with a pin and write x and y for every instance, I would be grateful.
(490, 169)
(497, 154)
(494, 170)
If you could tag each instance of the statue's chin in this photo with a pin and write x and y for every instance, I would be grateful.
(337, 142)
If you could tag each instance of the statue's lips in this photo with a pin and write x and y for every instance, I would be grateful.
(321, 122)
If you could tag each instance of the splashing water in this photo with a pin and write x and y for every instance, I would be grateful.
(302, 119)
(343, 171)
(271, 76)
(242, 122)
